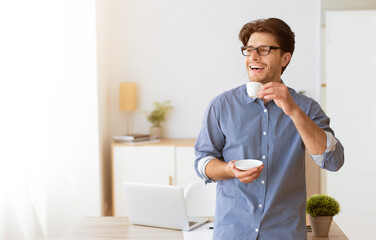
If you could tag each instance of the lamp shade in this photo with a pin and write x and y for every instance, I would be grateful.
(128, 96)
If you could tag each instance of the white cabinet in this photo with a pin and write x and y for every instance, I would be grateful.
(184, 166)
(169, 162)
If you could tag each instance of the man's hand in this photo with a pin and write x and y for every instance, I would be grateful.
(313, 136)
(246, 176)
(281, 96)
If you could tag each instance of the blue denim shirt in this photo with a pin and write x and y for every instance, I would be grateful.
(236, 127)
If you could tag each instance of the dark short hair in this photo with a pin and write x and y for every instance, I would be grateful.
(278, 28)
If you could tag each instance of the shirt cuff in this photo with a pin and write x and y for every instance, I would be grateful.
(202, 165)
(331, 143)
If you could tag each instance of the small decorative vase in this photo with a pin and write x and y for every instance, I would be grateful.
(156, 131)
(320, 225)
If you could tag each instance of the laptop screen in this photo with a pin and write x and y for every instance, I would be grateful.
(156, 205)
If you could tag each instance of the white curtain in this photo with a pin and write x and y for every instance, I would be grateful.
(49, 157)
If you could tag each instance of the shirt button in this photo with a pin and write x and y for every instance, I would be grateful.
(256, 229)
(264, 133)
(260, 205)
(265, 110)
(263, 182)
(263, 157)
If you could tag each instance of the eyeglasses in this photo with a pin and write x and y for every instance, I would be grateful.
(262, 50)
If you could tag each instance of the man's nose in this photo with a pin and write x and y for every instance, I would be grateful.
(254, 54)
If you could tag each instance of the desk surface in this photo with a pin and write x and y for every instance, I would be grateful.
(118, 228)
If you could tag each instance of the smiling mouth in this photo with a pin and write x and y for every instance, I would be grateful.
(256, 68)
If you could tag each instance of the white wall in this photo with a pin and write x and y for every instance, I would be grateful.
(351, 88)
(188, 52)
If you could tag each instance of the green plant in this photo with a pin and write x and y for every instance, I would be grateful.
(157, 115)
(322, 205)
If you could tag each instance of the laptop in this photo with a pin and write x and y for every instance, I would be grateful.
(159, 206)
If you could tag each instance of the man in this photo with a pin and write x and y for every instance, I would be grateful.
(267, 202)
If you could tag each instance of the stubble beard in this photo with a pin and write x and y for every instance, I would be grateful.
(264, 79)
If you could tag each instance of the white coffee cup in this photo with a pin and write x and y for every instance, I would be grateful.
(253, 89)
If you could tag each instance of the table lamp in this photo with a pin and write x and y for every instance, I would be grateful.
(127, 101)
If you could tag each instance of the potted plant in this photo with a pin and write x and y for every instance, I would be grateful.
(321, 209)
(157, 115)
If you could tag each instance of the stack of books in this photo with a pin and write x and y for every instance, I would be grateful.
(136, 138)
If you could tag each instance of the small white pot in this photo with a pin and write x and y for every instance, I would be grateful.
(156, 131)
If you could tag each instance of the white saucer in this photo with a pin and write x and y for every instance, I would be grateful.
(247, 164)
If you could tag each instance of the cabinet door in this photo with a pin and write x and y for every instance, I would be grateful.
(185, 172)
(144, 164)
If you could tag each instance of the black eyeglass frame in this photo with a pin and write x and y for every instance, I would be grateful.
(257, 49)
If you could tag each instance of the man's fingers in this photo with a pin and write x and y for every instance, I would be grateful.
(270, 96)
(246, 173)
(245, 176)
(249, 178)
(271, 89)
(249, 175)
(232, 165)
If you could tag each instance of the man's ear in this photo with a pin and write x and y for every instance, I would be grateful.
(286, 57)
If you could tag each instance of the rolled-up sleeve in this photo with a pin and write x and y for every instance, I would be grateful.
(333, 157)
(210, 141)
(202, 165)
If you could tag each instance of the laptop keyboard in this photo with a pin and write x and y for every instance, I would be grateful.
(191, 223)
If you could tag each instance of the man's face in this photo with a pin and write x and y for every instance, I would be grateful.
(268, 68)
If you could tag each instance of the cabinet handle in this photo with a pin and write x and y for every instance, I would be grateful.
(170, 180)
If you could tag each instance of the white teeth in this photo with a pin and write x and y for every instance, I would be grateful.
(256, 67)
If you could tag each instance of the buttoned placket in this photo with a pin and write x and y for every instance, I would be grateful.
(264, 159)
